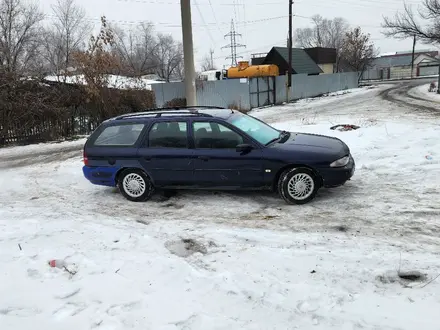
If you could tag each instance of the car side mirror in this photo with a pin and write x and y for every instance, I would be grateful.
(244, 148)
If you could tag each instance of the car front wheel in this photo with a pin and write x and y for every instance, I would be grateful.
(135, 185)
(298, 185)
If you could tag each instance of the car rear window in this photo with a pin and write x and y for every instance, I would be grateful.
(119, 135)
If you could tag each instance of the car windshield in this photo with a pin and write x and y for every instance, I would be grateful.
(260, 131)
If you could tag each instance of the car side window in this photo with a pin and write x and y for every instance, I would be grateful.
(171, 134)
(119, 135)
(221, 137)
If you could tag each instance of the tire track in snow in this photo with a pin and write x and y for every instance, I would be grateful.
(400, 95)
(43, 157)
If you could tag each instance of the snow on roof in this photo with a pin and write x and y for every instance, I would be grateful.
(119, 82)
(387, 54)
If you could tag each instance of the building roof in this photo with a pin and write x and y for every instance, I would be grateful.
(389, 61)
(401, 59)
(301, 61)
(322, 55)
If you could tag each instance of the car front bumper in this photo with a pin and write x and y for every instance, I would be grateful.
(337, 176)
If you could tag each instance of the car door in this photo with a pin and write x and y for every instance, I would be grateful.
(218, 164)
(165, 154)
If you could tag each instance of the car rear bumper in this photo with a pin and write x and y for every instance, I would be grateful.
(103, 176)
(337, 176)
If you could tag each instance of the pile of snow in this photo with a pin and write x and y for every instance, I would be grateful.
(234, 261)
(119, 82)
(7, 152)
(423, 92)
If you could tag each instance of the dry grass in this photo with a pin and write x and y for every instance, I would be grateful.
(237, 106)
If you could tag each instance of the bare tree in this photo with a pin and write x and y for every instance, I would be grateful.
(97, 61)
(180, 69)
(20, 29)
(358, 51)
(324, 33)
(137, 50)
(169, 54)
(406, 24)
(70, 28)
(207, 64)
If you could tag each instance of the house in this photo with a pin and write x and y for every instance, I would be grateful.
(398, 65)
(428, 67)
(324, 57)
(302, 63)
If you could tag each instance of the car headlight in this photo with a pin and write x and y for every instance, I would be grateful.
(340, 162)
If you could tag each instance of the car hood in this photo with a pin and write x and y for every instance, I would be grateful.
(319, 143)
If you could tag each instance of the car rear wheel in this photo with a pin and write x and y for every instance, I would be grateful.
(298, 185)
(135, 185)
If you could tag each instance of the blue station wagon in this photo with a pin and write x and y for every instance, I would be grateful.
(211, 148)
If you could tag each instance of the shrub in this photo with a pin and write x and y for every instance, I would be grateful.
(176, 102)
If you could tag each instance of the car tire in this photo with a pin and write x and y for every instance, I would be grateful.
(135, 185)
(298, 185)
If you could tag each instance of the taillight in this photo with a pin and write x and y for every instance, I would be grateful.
(85, 159)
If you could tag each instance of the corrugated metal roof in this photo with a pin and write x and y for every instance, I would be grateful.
(388, 61)
(301, 61)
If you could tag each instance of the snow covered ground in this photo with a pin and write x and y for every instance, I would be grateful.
(423, 92)
(235, 260)
(33, 149)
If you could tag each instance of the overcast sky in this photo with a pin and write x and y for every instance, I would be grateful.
(262, 23)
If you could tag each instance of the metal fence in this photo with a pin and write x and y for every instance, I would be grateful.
(241, 93)
(304, 86)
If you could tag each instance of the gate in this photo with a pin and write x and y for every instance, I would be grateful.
(262, 91)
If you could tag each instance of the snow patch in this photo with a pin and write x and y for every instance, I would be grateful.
(422, 91)
(186, 247)
(114, 81)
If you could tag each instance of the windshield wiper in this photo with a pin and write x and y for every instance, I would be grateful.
(282, 134)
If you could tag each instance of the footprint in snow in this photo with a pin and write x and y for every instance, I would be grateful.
(306, 307)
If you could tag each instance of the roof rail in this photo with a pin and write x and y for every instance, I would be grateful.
(158, 114)
(171, 110)
(194, 107)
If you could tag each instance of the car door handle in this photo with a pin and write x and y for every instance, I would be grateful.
(204, 158)
(147, 158)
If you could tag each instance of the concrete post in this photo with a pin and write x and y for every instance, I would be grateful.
(188, 53)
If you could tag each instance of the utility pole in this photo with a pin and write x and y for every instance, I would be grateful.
(289, 76)
(438, 83)
(211, 52)
(188, 53)
(233, 45)
(412, 61)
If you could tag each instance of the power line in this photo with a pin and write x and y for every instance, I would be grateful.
(365, 26)
(233, 45)
(235, 11)
(162, 2)
(201, 4)
(272, 44)
(365, 4)
(215, 16)
(203, 21)
(245, 25)
(172, 25)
